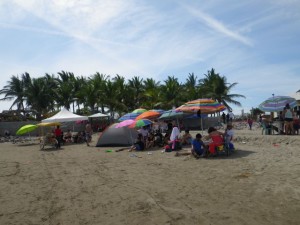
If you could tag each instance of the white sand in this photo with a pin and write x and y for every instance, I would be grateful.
(258, 184)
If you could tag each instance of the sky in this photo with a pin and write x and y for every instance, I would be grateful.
(251, 42)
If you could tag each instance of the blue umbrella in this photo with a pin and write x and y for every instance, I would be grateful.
(128, 116)
(277, 103)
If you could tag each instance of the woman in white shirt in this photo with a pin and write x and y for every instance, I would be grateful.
(288, 119)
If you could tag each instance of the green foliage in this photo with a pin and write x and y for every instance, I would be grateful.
(97, 92)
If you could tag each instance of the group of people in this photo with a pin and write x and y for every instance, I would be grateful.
(288, 122)
(68, 137)
(208, 145)
(173, 141)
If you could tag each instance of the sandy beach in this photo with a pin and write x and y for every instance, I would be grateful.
(258, 184)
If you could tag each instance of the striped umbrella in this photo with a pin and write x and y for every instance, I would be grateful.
(140, 123)
(207, 106)
(277, 103)
(128, 116)
(139, 111)
(151, 114)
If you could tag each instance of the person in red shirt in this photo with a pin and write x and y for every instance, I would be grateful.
(58, 135)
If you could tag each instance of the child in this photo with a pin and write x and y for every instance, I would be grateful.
(229, 136)
(198, 148)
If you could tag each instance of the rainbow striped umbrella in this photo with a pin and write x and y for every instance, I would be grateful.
(206, 105)
(277, 103)
(140, 123)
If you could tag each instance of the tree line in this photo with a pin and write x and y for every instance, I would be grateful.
(106, 94)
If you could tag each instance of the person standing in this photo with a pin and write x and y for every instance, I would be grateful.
(58, 135)
(227, 118)
(223, 118)
(250, 122)
(231, 116)
(288, 119)
(88, 133)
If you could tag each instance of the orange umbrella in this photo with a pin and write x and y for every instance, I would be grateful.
(148, 115)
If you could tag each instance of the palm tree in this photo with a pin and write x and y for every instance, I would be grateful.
(99, 82)
(65, 89)
(15, 90)
(217, 88)
(171, 93)
(191, 88)
(136, 84)
(152, 94)
(39, 96)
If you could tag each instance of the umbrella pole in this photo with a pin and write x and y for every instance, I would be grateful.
(201, 124)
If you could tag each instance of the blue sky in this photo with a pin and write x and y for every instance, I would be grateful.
(252, 42)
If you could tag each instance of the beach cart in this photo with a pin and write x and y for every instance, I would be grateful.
(47, 137)
(48, 140)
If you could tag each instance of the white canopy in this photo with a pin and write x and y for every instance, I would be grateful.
(98, 115)
(64, 116)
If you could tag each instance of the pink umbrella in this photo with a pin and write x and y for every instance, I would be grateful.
(125, 123)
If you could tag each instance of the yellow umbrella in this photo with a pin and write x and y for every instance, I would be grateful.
(50, 124)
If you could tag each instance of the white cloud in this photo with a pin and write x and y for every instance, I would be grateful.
(139, 38)
(218, 26)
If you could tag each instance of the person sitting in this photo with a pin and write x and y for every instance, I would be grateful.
(198, 147)
(144, 132)
(138, 144)
(68, 136)
(166, 138)
(150, 141)
(158, 138)
(216, 138)
(186, 138)
(174, 142)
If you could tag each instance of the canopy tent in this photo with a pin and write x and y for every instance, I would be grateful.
(98, 115)
(64, 116)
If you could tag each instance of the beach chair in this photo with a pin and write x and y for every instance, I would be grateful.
(223, 149)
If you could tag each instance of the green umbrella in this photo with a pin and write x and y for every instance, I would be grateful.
(27, 128)
(173, 114)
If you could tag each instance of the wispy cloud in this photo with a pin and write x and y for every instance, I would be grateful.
(218, 26)
(251, 42)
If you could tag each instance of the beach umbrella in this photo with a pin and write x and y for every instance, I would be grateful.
(139, 111)
(151, 114)
(205, 105)
(277, 103)
(201, 106)
(128, 116)
(26, 129)
(172, 114)
(140, 123)
(125, 123)
(49, 124)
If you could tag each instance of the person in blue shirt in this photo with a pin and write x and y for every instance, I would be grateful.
(198, 147)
